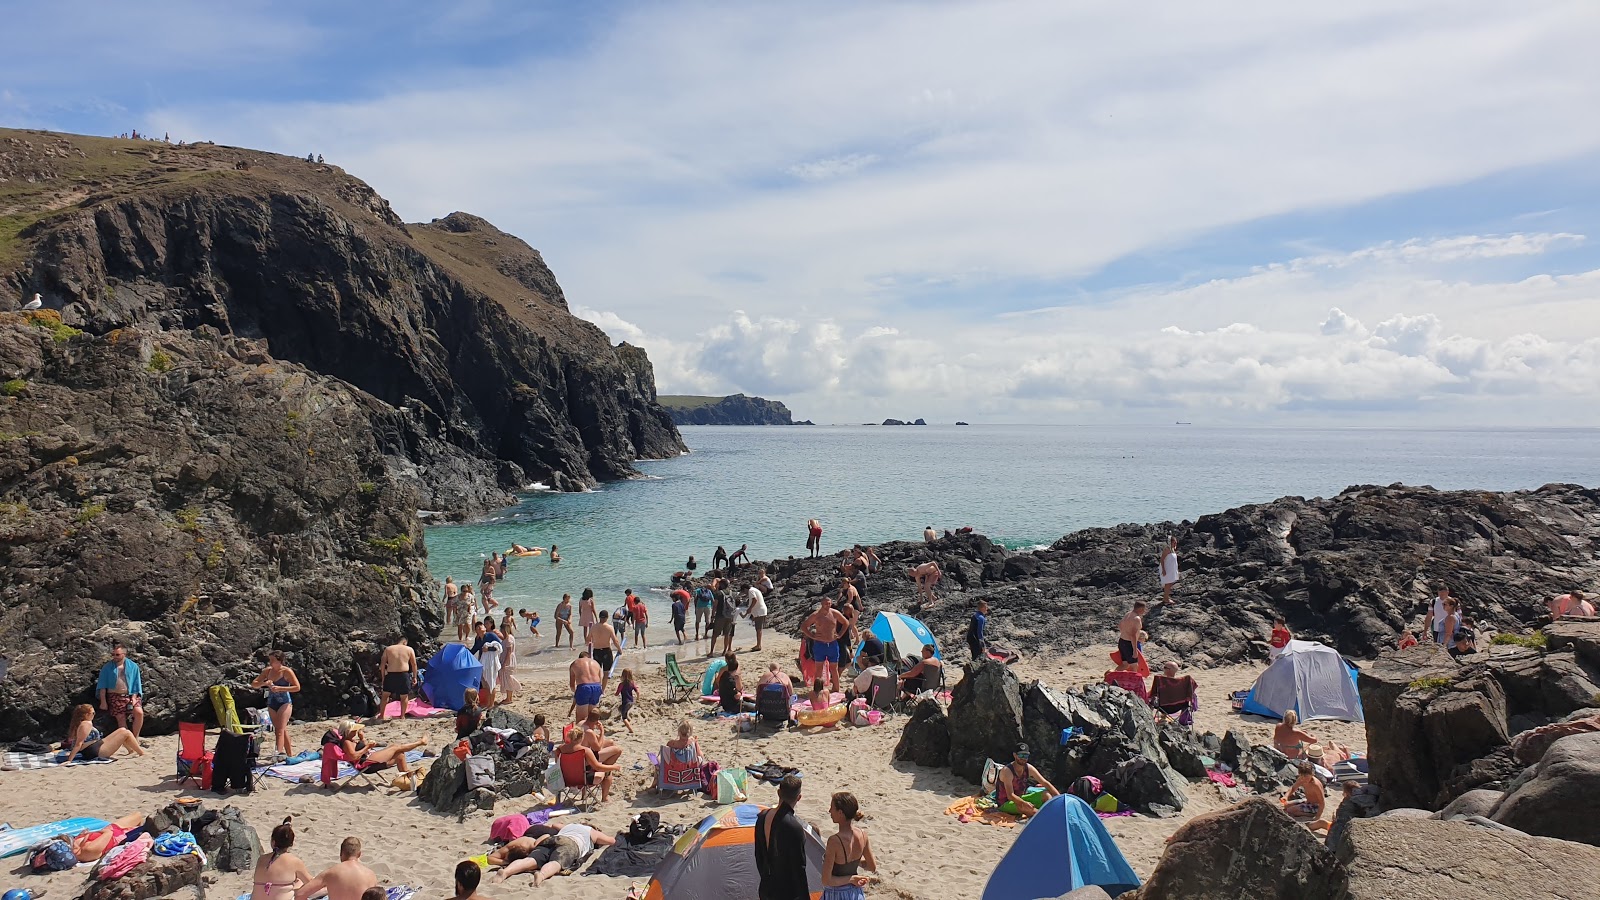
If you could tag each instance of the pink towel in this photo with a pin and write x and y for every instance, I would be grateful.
(1225, 779)
(508, 828)
(416, 709)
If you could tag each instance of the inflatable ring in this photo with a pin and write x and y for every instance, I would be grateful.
(830, 716)
(1034, 797)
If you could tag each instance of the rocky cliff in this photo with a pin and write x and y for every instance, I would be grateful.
(247, 377)
(735, 409)
(485, 381)
(1353, 571)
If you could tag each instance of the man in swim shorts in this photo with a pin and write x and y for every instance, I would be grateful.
(824, 628)
(397, 672)
(606, 646)
(1128, 637)
(584, 677)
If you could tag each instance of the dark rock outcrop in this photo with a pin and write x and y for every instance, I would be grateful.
(734, 409)
(926, 738)
(1407, 859)
(1353, 571)
(985, 718)
(187, 495)
(1562, 798)
(1249, 850)
(155, 877)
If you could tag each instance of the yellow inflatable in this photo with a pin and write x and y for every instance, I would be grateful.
(829, 716)
(537, 551)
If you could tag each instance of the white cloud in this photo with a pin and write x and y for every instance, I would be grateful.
(832, 167)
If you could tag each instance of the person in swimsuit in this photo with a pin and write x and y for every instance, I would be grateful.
(730, 688)
(120, 690)
(464, 609)
(572, 743)
(1128, 637)
(926, 576)
(814, 537)
(824, 628)
(606, 647)
(1169, 568)
(584, 677)
(468, 875)
(1288, 737)
(586, 616)
(555, 555)
(92, 845)
(84, 741)
(563, 616)
(348, 879)
(1311, 800)
(741, 555)
(450, 594)
(280, 872)
(1017, 779)
(846, 852)
(351, 738)
(280, 700)
(719, 560)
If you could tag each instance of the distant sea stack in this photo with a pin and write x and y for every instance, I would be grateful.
(735, 409)
(901, 422)
(247, 376)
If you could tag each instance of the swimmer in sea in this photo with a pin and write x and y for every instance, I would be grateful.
(555, 555)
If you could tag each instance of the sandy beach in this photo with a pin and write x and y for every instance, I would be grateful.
(921, 852)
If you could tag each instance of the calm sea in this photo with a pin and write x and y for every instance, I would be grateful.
(1023, 485)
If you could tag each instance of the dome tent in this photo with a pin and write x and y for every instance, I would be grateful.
(717, 858)
(450, 673)
(1310, 678)
(1063, 848)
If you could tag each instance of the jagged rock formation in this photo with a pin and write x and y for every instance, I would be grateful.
(248, 376)
(735, 409)
(1353, 570)
(486, 380)
(187, 494)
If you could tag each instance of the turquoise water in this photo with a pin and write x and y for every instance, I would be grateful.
(1023, 485)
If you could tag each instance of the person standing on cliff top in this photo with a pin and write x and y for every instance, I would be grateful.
(1169, 568)
(814, 538)
(1128, 637)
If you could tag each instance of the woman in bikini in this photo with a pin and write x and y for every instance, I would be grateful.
(284, 685)
(846, 852)
(280, 872)
(95, 844)
(84, 741)
(563, 615)
(350, 737)
(1288, 737)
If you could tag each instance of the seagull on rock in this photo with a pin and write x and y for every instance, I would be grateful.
(35, 303)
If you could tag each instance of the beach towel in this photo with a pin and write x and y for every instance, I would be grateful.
(19, 840)
(981, 810)
(23, 762)
(313, 767)
(119, 861)
(398, 892)
(416, 709)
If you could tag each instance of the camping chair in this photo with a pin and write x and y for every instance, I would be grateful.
(193, 758)
(884, 693)
(772, 705)
(679, 687)
(679, 771)
(575, 776)
(332, 755)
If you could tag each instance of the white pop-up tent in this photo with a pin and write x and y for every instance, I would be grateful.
(1310, 678)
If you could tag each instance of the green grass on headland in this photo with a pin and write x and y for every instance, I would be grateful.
(687, 401)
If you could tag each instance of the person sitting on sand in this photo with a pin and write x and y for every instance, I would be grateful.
(1017, 779)
(846, 852)
(280, 872)
(562, 853)
(730, 688)
(469, 719)
(349, 737)
(347, 879)
(572, 743)
(84, 741)
(594, 737)
(1289, 739)
(1306, 798)
(819, 698)
(92, 845)
(468, 875)
(924, 676)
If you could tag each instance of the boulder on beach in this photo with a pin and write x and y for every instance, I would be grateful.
(926, 737)
(1562, 798)
(985, 718)
(1249, 850)
(1410, 859)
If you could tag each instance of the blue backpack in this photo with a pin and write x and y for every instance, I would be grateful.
(53, 856)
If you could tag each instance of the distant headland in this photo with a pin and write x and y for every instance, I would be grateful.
(735, 409)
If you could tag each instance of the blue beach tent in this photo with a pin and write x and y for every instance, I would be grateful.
(450, 674)
(1310, 678)
(907, 634)
(1063, 848)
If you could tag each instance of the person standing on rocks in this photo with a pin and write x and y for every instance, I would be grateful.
(397, 672)
(929, 535)
(120, 690)
(741, 555)
(926, 576)
(1437, 614)
(1169, 568)
(719, 559)
(1128, 637)
(814, 538)
(824, 628)
(978, 630)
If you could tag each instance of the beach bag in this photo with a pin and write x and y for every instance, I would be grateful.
(991, 776)
(480, 772)
(731, 785)
(1107, 804)
(552, 777)
(52, 856)
(644, 827)
(1086, 789)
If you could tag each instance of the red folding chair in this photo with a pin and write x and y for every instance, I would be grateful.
(194, 760)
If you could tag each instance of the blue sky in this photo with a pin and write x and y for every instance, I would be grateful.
(1019, 210)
